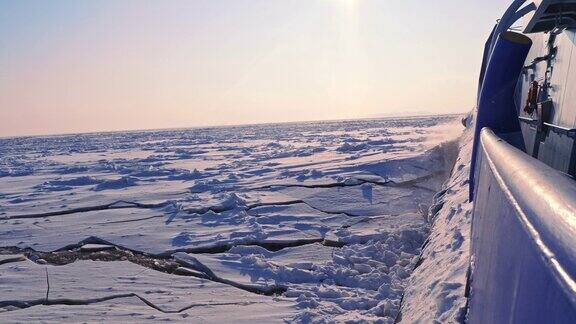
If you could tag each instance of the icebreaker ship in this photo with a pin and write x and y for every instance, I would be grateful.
(523, 170)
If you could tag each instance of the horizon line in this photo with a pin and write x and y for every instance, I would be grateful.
(426, 114)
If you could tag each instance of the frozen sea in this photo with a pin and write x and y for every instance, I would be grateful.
(297, 222)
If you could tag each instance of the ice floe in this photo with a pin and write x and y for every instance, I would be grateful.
(320, 221)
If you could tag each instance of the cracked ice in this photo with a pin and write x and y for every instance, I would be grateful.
(294, 222)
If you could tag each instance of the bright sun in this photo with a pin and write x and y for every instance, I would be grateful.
(348, 3)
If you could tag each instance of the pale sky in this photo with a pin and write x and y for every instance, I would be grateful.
(78, 65)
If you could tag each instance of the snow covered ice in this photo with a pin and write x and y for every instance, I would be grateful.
(301, 222)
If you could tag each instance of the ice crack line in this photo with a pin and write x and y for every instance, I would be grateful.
(47, 284)
(165, 262)
(386, 183)
(321, 185)
(78, 302)
(221, 209)
(11, 260)
(120, 204)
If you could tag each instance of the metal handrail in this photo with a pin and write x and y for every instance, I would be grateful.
(561, 128)
(571, 132)
(545, 199)
(528, 119)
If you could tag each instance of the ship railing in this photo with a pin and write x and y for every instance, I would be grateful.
(523, 264)
(570, 132)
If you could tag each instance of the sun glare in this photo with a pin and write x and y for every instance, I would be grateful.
(348, 3)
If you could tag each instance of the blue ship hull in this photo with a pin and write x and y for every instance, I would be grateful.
(523, 260)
